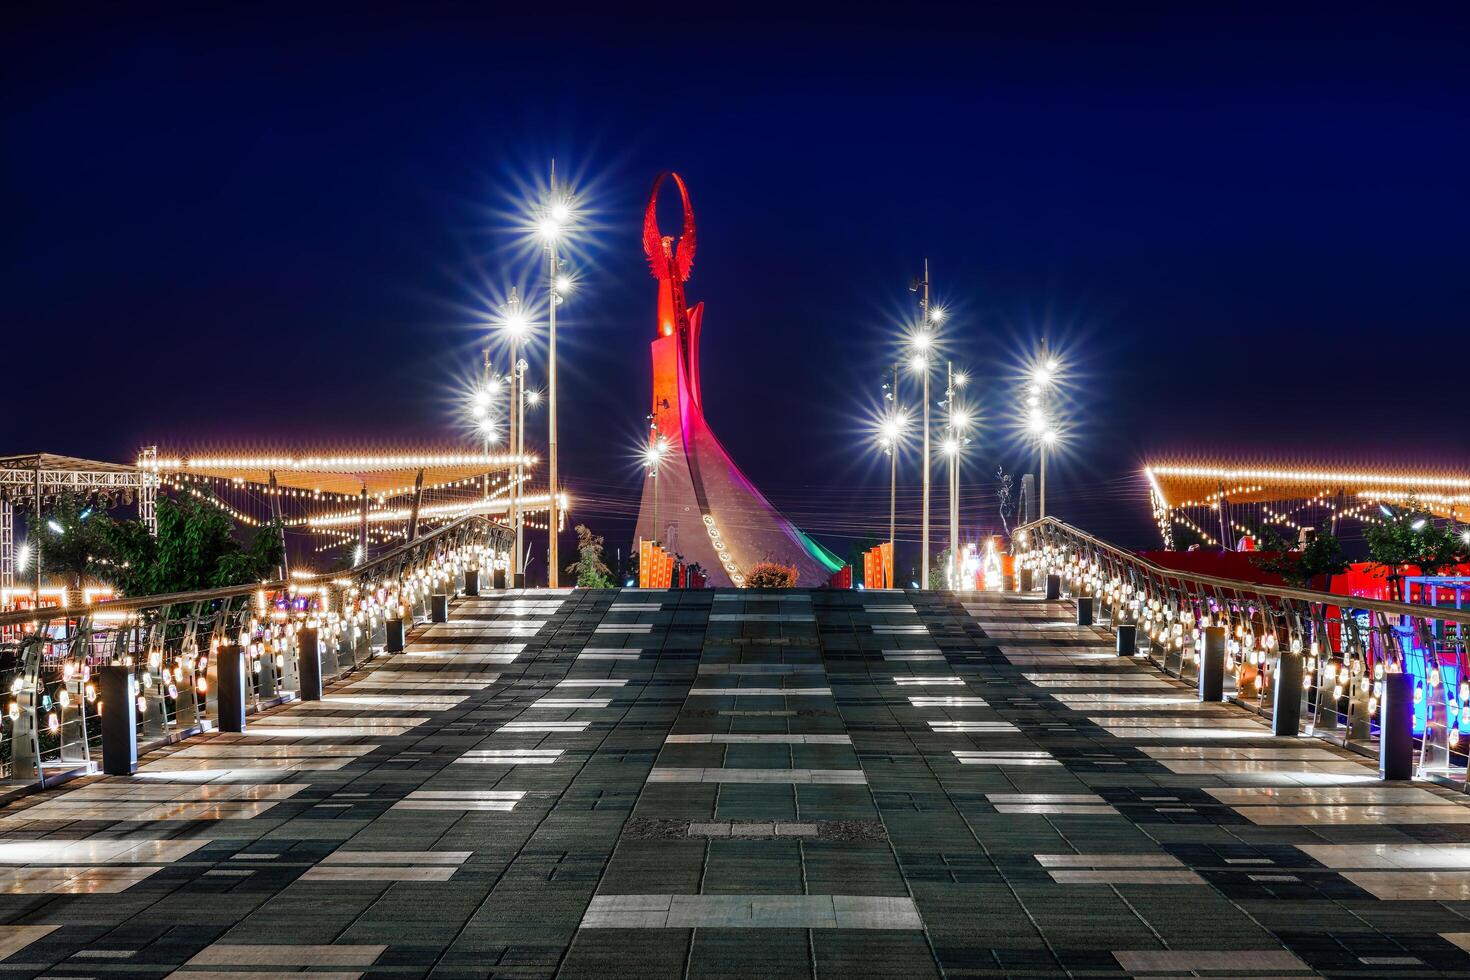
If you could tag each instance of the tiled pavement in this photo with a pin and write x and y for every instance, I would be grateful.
(722, 783)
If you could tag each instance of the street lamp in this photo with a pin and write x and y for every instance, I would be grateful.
(958, 422)
(556, 219)
(653, 455)
(922, 341)
(1038, 416)
(516, 327)
(890, 435)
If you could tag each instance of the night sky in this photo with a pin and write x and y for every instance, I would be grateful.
(249, 226)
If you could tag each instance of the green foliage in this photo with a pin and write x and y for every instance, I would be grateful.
(1410, 537)
(938, 570)
(80, 549)
(1321, 556)
(195, 549)
(771, 575)
(589, 568)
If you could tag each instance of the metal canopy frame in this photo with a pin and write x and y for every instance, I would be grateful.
(29, 479)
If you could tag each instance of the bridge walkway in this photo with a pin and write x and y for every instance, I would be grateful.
(711, 783)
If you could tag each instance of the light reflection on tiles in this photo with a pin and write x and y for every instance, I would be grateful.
(929, 681)
(1028, 758)
(750, 911)
(1231, 962)
(239, 955)
(751, 739)
(514, 727)
(960, 727)
(825, 777)
(387, 866)
(572, 703)
(103, 850)
(1396, 857)
(760, 692)
(948, 702)
(510, 757)
(593, 682)
(493, 800)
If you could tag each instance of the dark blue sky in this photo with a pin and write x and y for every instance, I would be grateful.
(264, 225)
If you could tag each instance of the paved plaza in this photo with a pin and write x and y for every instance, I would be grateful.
(724, 783)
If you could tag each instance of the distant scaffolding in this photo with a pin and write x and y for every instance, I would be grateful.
(31, 483)
(1216, 504)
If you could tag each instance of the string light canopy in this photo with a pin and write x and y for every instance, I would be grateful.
(1294, 496)
(346, 475)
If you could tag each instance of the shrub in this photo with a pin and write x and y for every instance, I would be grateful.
(771, 575)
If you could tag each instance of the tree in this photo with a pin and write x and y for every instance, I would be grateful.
(1410, 537)
(1322, 555)
(771, 575)
(939, 571)
(589, 568)
(196, 548)
(74, 544)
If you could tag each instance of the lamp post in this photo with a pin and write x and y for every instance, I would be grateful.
(921, 344)
(658, 447)
(958, 421)
(1043, 376)
(553, 223)
(514, 322)
(893, 428)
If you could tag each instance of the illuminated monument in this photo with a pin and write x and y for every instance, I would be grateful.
(708, 511)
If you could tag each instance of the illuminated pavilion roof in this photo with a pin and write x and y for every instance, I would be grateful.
(382, 474)
(1184, 484)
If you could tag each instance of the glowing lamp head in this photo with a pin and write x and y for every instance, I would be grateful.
(533, 398)
(1037, 421)
(563, 284)
(937, 314)
(54, 526)
(960, 420)
(922, 341)
(549, 228)
(891, 430)
(961, 379)
(951, 447)
(1418, 525)
(1049, 437)
(516, 324)
(918, 363)
(559, 212)
(1041, 375)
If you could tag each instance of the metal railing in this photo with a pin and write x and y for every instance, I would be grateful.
(49, 657)
(1345, 643)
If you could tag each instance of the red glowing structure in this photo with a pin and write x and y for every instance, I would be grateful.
(708, 511)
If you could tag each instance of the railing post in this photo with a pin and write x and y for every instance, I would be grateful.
(232, 682)
(393, 641)
(1025, 574)
(1084, 608)
(1286, 704)
(471, 581)
(498, 580)
(439, 608)
(1127, 639)
(269, 683)
(1396, 730)
(1053, 586)
(309, 663)
(119, 690)
(1212, 665)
